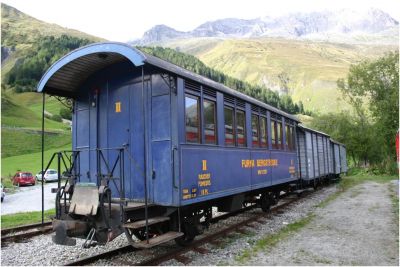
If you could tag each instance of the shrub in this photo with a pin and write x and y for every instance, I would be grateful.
(56, 118)
(65, 113)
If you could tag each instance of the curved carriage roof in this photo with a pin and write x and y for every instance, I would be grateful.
(66, 75)
(302, 126)
(305, 128)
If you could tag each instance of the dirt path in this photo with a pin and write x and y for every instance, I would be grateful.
(358, 228)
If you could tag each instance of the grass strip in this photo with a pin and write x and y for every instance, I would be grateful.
(271, 240)
(23, 218)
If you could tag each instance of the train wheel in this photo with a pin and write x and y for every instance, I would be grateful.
(266, 201)
(141, 233)
(189, 231)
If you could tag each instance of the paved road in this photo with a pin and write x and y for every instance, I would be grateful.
(29, 198)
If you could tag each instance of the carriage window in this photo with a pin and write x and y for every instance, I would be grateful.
(293, 137)
(241, 128)
(288, 137)
(273, 134)
(254, 130)
(209, 122)
(192, 119)
(229, 130)
(279, 135)
(263, 132)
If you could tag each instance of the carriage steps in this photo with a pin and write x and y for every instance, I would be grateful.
(157, 240)
(142, 223)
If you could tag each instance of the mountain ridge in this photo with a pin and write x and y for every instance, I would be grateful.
(322, 25)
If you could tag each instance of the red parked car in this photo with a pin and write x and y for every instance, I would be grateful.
(23, 178)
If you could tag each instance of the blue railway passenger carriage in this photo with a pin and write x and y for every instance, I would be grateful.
(156, 146)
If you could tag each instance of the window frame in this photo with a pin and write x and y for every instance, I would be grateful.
(240, 110)
(232, 109)
(274, 133)
(199, 121)
(279, 130)
(203, 130)
(257, 116)
(293, 136)
(265, 118)
(287, 136)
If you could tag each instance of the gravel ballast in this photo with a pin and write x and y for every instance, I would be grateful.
(42, 251)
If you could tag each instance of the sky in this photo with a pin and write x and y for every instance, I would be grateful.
(123, 20)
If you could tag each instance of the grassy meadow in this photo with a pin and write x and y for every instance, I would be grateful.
(24, 218)
(312, 68)
(21, 133)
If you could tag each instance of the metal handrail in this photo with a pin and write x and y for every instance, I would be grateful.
(70, 160)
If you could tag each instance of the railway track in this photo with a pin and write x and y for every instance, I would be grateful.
(20, 233)
(179, 252)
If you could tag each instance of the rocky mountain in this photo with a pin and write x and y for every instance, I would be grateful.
(323, 25)
(162, 32)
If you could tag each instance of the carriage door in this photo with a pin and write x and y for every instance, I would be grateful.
(121, 125)
(115, 133)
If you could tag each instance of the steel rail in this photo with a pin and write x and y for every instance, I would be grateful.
(129, 248)
(24, 232)
(212, 238)
(195, 246)
(21, 228)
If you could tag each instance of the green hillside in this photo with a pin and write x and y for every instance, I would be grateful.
(19, 32)
(21, 113)
(21, 133)
(28, 162)
(259, 92)
(18, 28)
(309, 70)
(21, 125)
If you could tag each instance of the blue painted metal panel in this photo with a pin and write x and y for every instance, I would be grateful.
(159, 86)
(204, 172)
(284, 133)
(137, 142)
(82, 128)
(249, 134)
(181, 110)
(174, 146)
(262, 172)
(269, 129)
(220, 119)
(93, 110)
(160, 118)
(162, 181)
(286, 169)
(118, 130)
(114, 129)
